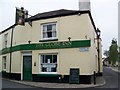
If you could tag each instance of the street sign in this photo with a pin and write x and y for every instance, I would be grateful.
(84, 49)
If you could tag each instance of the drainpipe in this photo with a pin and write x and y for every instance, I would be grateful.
(11, 44)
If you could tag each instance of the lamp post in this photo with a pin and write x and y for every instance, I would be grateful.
(98, 50)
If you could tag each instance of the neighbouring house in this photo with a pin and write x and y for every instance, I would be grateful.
(106, 62)
(119, 57)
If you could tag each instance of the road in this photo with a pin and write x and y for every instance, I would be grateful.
(111, 78)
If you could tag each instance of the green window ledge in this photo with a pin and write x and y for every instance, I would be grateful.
(48, 75)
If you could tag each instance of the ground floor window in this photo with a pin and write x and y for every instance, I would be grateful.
(4, 62)
(49, 63)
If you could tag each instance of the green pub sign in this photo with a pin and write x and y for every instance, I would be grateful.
(47, 45)
(20, 16)
(54, 45)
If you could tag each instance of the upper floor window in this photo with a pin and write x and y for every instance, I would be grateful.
(6, 40)
(49, 31)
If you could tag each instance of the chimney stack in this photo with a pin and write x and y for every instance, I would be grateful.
(84, 5)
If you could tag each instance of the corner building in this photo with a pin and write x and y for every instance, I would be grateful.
(57, 42)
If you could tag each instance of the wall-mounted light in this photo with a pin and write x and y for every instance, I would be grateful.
(29, 41)
(34, 63)
(98, 32)
(86, 36)
(69, 38)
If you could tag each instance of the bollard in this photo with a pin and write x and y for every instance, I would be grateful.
(94, 77)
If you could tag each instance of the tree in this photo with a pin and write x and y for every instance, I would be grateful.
(113, 52)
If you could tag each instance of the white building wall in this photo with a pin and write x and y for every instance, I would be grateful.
(78, 27)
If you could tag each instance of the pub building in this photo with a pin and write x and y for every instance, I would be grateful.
(60, 46)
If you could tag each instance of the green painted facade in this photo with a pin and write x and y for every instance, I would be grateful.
(50, 45)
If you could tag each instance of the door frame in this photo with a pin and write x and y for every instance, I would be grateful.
(24, 54)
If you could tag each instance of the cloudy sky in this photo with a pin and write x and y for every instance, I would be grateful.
(104, 12)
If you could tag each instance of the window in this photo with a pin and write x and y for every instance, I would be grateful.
(49, 31)
(5, 40)
(49, 63)
(4, 63)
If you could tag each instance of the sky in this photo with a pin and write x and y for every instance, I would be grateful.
(104, 13)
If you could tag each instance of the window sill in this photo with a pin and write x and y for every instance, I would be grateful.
(47, 73)
(4, 70)
(47, 40)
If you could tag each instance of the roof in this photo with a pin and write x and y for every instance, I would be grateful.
(8, 28)
(55, 13)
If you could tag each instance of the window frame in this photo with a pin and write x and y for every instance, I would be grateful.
(40, 64)
(50, 38)
(6, 40)
(4, 63)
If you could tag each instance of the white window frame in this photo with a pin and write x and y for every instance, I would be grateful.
(6, 40)
(40, 62)
(42, 38)
(4, 62)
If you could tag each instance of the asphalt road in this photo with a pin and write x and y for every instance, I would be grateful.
(111, 78)
(8, 84)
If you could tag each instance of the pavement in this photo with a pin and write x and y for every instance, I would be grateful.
(100, 81)
(116, 69)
